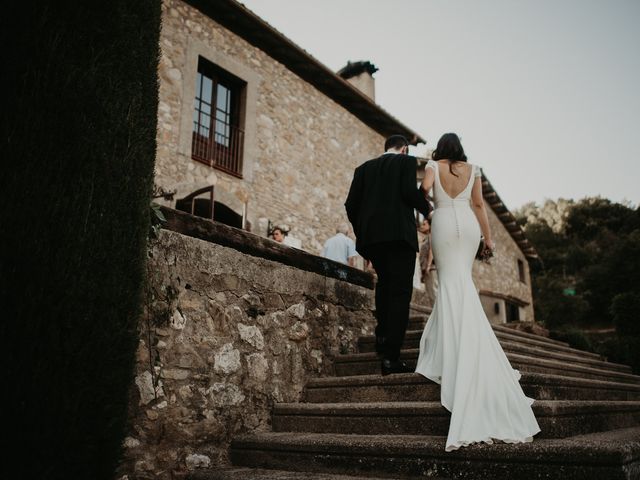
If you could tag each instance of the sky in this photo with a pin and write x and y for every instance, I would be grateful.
(543, 93)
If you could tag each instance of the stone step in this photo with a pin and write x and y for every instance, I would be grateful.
(613, 455)
(412, 341)
(542, 342)
(557, 418)
(416, 309)
(369, 363)
(413, 387)
(532, 336)
(417, 323)
(266, 474)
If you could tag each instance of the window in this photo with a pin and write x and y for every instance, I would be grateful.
(521, 271)
(217, 136)
(512, 312)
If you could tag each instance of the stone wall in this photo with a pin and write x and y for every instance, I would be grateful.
(224, 335)
(300, 146)
(502, 275)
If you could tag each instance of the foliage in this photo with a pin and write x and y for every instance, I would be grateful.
(575, 337)
(553, 214)
(553, 308)
(156, 220)
(620, 349)
(590, 253)
(79, 127)
(624, 309)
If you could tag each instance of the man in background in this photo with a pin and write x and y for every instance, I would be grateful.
(340, 247)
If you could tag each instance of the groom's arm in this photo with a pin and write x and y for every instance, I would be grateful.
(411, 194)
(354, 198)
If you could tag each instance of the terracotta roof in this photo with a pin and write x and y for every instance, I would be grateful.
(243, 22)
(502, 212)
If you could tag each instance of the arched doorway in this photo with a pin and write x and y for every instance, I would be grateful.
(202, 204)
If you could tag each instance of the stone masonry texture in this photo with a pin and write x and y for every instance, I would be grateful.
(306, 146)
(223, 336)
(300, 150)
(501, 275)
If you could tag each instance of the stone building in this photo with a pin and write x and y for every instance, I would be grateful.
(274, 132)
(255, 132)
(505, 283)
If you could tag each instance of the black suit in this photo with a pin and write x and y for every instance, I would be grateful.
(380, 206)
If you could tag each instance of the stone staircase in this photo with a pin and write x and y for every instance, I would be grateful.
(359, 424)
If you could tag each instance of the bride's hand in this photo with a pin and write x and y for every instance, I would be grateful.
(490, 245)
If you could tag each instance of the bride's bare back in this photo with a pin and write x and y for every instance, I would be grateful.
(451, 184)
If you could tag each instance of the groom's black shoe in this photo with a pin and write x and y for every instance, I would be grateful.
(380, 342)
(391, 366)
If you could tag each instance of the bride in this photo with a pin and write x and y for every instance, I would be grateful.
(458, 348)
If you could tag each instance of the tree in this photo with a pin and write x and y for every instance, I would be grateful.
(625, 309)
(588, 248)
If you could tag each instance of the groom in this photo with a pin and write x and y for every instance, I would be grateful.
(380, 206)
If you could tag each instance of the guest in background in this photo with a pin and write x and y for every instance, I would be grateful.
(278, 234)
(427, 268)
(340, 247)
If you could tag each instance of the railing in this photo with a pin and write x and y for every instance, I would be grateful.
(223, 152)
(188, 203)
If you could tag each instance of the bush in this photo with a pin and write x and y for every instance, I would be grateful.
(625, 310)
(575, 337)
(554, 309)
(625, 350)
(78, 144)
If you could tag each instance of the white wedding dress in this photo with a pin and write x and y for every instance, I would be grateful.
(458, 348)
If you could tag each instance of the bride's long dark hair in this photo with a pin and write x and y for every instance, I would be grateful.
(449, 148)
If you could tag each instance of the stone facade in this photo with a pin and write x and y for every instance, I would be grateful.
(300, 146)
(502, 276)
(224, 335)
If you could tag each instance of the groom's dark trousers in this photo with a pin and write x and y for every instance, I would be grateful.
(380, 206)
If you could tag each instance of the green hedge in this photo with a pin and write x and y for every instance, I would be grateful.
(78, 149)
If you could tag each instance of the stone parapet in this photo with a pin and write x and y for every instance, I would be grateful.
(224, 335)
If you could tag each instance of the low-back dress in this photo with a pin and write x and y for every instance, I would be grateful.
(458, 348)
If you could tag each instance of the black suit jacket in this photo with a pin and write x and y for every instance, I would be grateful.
(382, 199)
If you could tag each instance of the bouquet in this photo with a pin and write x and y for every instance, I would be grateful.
(484, 253)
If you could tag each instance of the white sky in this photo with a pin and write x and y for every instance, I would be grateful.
(543, 93)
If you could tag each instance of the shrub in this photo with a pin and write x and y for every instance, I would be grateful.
(574, 337)
(625, 350)
(78, 145)
(625, 310)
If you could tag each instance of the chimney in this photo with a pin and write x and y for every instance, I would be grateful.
(360, 75)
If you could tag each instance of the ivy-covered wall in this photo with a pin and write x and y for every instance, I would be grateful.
(78, 148)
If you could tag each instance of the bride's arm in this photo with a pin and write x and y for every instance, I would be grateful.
(477, 203)
(427, 181)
